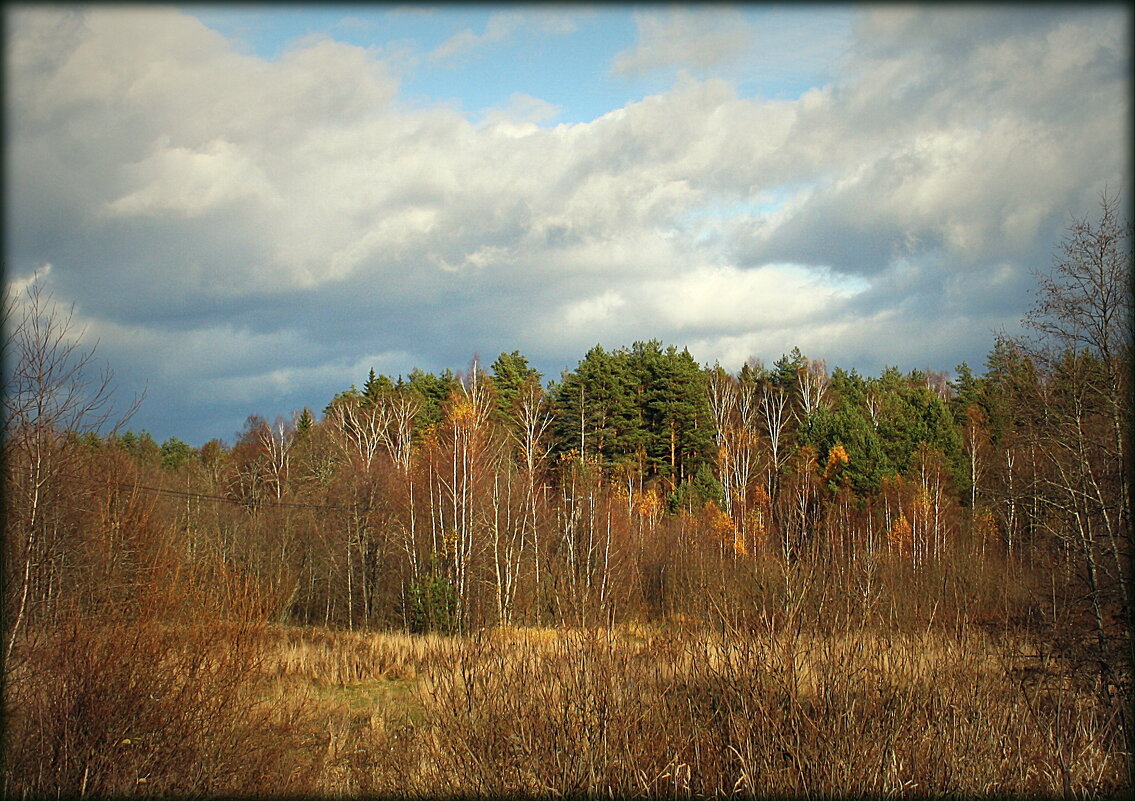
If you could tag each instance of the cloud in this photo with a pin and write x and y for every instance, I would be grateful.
(938, 148)
(179, 180)
(251, 236)
(692, 39)
(522, 115)
(592, 311)
(500, 27)
(16, 287)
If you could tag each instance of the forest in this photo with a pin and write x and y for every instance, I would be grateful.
(344, 591)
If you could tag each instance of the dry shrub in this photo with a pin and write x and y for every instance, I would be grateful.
(772, 714)
(153, 701)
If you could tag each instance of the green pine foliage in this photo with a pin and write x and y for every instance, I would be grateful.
(848, 423)
(644, 408)
(510, 373)
(431, 602)
(375, 387)
(434, 391)
(911, 414)
(597, 415)
(175, 453)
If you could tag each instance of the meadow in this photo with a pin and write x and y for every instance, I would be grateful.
(780, 707)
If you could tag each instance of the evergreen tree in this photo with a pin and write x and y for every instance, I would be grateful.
(375, 387)
(596, 412)
(847, 424)
(1006, 389)
(967, 392)
(752, 372)
(671, 390)
(785, 372)
(511, 371)
(350, 395)
(174, 453)
(142, 447)
(304, 423)
(911, 413)
(434, 391)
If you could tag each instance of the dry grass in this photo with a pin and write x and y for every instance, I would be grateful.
(637, 711)
(659, 712)
(120, 707)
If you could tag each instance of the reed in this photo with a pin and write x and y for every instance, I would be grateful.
(598, 713)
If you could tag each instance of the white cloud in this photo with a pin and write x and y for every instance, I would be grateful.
(727, 298)
(700, 39)
(522, 115)
(271, 217)
(183, 181)
(592, 311)
(16, 287)
(500, 27)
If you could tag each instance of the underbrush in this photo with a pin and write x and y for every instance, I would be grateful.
(131, 708)
(106, 706)
(695, 715)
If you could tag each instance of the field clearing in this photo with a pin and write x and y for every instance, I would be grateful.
(657, 711)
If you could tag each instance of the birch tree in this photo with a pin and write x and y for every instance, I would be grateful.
(54, 385)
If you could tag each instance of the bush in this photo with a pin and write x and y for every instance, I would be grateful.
(137, 705)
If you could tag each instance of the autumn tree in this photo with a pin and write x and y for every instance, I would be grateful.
(527, 417)
(53, 385)
(1082, 341)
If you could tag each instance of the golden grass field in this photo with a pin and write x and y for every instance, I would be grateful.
(663, 711)
(124, 709)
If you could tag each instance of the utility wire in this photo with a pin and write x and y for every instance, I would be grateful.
(184, 494)
(235, 501)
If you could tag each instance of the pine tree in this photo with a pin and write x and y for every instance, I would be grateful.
(375, 387)
(596, 413)
(434, 391)
(511, 372)
(677, 424)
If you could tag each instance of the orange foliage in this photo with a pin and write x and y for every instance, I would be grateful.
(837, 458)
(648, 506)
(985, 526)
(901, 535)
(723, 527)
(462, 411)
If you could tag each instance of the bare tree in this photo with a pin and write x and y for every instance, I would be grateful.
(54, 386)
(533, 419)
(775, 414)
(1082, 317)
(813, 383)
(398, 410)
(362, 429)
(278, 440)
(734, 406)
(1085, 307)
(1085, 300)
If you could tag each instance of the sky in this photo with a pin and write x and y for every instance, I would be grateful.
(249, 207)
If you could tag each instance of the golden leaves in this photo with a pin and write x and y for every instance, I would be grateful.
(837, 458)
(648, 506)
(901, 534)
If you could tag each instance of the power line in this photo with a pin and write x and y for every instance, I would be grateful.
(182, 494)
(200, 496)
